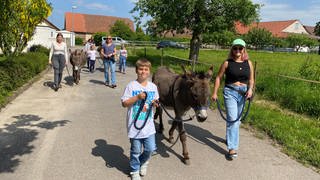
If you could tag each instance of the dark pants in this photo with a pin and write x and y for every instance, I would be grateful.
(91, 65)
(58, 62)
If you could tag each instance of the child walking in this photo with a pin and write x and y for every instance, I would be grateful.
(92, 57)
(139, 97)
(123, 59)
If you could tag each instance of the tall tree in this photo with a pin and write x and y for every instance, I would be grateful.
(199, 16)
(120, 28)
(317, 29)
(21, 18)
(259, 37)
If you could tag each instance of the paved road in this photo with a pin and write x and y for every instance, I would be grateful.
(79, 133)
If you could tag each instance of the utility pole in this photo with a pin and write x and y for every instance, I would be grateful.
(72, 42)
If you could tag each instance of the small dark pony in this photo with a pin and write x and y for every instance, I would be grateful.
(181, 92)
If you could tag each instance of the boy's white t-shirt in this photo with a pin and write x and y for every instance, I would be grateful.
(92, 54)
(132, 89)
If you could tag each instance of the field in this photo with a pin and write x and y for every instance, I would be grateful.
(285, 109)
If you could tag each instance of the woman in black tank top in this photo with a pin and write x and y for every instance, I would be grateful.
(238, 71)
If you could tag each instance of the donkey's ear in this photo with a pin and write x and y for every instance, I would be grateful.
(210, 72)
(186, 73)
(70, 51)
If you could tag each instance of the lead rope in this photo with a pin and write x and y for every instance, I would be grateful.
(139, 111)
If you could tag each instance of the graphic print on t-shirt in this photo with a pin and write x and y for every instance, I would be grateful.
(136, 105)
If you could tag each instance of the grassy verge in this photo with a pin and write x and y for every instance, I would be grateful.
(298, 136)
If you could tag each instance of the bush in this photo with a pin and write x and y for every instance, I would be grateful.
(78, 41)
(97, 38)
(39, 48)
(16, 72)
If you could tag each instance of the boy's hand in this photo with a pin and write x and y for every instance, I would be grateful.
(142, 95)
(155, 103)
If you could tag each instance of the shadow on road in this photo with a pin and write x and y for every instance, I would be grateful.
(162, 148)
(16, 138)
(204, 136)
(112, 155)
(96, 81)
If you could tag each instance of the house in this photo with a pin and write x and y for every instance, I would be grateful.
(278, 28)
(85, 25)
(44, 33)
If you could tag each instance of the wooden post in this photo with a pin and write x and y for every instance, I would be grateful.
(145, 52)
(161, 56)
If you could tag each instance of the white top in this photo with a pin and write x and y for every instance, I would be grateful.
(132, 89)
(59, 48)
(123, 52)
(92, 54)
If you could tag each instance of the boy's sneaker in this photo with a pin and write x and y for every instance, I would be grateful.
(135, 175)
(143, 168)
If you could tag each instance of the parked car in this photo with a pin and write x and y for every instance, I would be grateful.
(116, 40)
(172, 44)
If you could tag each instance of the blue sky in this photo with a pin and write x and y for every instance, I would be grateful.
(307, 11)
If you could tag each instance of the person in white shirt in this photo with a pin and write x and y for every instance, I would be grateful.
(58, 58)
(87, 48)
(139, 97)
(92, 57)
(123, 59)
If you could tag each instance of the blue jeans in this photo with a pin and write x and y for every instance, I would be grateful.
(122, 66)
(137, 157)
(234, 103)
(112, 65)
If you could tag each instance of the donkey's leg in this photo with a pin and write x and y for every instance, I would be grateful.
(159, 113)
(173, 127)
(183, 139)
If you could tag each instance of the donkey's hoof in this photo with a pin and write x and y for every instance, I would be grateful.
(186, 161)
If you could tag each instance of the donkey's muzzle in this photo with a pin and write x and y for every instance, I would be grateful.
(202, 115)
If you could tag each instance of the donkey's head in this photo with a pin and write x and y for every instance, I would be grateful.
(199, 91)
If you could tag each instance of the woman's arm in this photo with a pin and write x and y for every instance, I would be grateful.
(251, 81)
(218, 79)
(51, 52)
(66, 53)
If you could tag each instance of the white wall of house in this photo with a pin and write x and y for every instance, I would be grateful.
(296, 27)
(44, 35)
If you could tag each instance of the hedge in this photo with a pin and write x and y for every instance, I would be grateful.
(16, 71)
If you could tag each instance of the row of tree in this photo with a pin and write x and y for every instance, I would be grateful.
(259, 38)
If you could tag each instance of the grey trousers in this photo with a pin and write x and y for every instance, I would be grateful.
(58, 63)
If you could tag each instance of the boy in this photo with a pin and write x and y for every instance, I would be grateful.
(139, 97)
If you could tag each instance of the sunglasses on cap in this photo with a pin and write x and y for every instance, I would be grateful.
(235, 48)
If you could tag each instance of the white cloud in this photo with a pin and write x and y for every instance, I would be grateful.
(99, 6)
(133, 1)
(280, 11)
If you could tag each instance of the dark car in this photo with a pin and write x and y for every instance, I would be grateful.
(171, 44)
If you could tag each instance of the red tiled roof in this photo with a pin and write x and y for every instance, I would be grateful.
(89, 23)
(275, 27)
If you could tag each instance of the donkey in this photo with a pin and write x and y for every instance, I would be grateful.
(78, 59)
(181, 92)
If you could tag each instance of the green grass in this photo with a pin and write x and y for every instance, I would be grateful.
(298, 136)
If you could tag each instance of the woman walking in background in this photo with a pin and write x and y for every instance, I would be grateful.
(108, 52)
(58, 58)
(239, 82)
